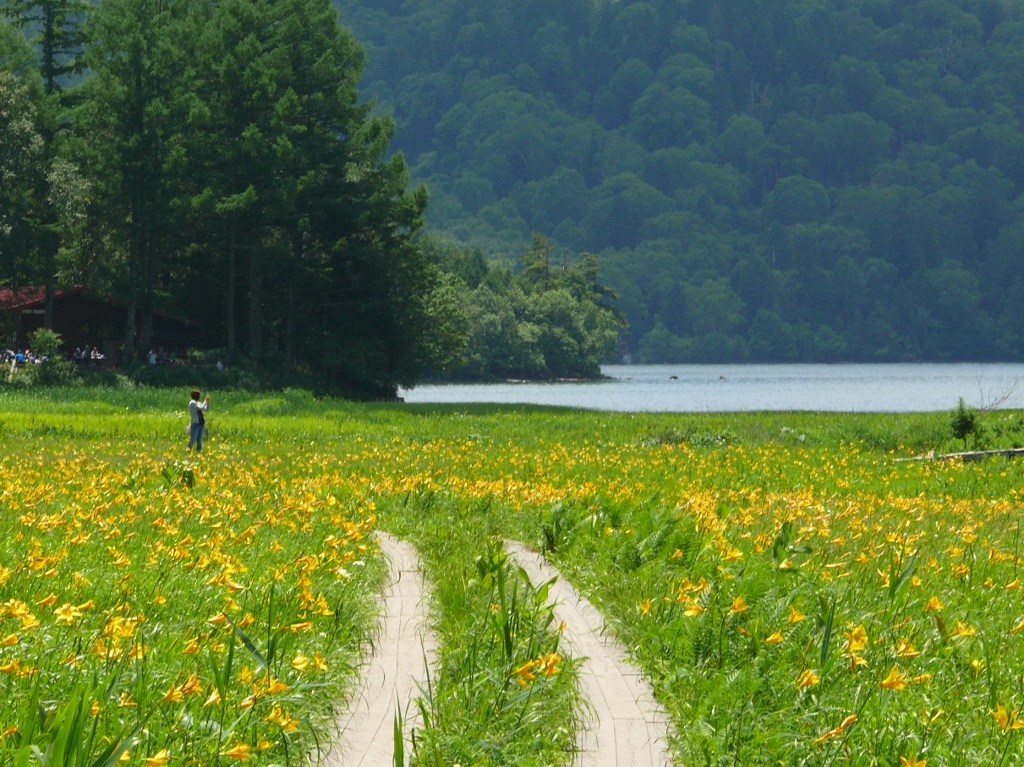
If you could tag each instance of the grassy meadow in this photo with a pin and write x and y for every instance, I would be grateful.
(795, 590)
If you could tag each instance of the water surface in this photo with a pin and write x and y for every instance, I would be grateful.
(892, 388)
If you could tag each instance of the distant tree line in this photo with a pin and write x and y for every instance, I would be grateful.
(548, 319)
(772, 180)
(211, 159)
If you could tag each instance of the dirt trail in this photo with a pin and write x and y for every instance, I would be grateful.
(626, 727)
(401, 656)
(623, 726)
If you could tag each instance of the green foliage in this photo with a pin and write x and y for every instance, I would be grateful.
(964, 423)
(55, 369)
(45, 342)
(852, 177)
(209, 158)
(550, 320)
(488, 702)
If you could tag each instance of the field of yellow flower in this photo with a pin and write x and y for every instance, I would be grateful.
(796, 592)
(156, 608)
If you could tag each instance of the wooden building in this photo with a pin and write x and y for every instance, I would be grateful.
(86, 318)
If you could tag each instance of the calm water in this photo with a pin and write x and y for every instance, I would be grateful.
(710, 388)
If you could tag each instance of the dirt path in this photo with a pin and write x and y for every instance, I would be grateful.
(400, 658)
(625, 727)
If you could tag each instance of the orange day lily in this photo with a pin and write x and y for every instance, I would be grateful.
(1007, 721)
(837, 730)
(895, 680)
(807, 678)
(913, 761)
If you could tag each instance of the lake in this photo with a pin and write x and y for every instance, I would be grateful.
(895, 388)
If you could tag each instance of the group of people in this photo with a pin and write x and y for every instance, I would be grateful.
(93, 355)
(161, 357)
(19, 358)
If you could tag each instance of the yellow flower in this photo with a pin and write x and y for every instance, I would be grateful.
(300, 662)
(192, 685)
(933, 605)
(275, 686)
(739, 605)
(962, 630)
(1007, 721)
(67, 614)
(795, 616)
(837, 730)
(239, 751)
(548, 664)
(913, 761)
(191, 647)
(174, 695)
(645, 607)
(159, 759)
(904, 649)
(524, 673)
(773, 638)
(807, 678)
(895, 680)
(693, 608)
(856, 639)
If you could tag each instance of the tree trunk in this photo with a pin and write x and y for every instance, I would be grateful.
(255, 305)
(290, 327)
(231, 290)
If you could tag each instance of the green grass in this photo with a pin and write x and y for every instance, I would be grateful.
(699, 536)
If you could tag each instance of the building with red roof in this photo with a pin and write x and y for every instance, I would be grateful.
(86, 318)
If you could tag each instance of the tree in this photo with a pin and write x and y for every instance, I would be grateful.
(124, 130)
(21, 150)
(55, 29)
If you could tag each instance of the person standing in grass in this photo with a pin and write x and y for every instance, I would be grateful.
(196, 409)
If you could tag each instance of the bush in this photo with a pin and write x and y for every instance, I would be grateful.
(964, 423)
(56, 369)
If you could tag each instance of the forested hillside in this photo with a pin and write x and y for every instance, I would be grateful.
(760, 179)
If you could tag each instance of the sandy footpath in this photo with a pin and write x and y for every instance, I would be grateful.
(399, 661)
(623, 726)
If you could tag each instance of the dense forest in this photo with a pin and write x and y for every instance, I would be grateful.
(214, 161)
(757, 179)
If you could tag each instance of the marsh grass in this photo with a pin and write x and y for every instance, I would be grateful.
(794, 592)
(504, 691)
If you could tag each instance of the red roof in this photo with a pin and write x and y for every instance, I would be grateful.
(19, 299)
(25, 298)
